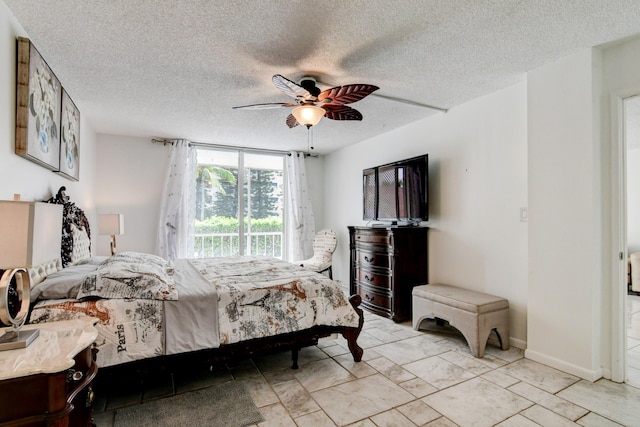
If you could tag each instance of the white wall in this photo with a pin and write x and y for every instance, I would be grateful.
(564, 227)
(21, 176)
(477, 184)
(131, 175)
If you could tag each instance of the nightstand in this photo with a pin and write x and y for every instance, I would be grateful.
(49, 382)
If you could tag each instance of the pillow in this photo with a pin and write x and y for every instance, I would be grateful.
(62, 284)
(81, 244)
(94, 260)
(130, 275)
(136, 258)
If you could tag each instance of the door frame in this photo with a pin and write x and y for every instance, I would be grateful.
(619, 234)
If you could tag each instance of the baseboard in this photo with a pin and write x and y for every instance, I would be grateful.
(589, 375)
(522, 345)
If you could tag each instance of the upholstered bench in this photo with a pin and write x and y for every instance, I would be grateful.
(474, 314)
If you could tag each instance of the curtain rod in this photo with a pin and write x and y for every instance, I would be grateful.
(229, 147)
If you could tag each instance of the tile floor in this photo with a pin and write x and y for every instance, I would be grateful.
(406, 378)
(633, 340)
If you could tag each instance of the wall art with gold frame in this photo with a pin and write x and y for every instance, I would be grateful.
(38, 104)
(69, 139)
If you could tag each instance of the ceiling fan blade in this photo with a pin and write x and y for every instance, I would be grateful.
(291, 121)
(347, 94)
(409, 102)
(341, 112)
(264, 106)
(290, 88)
(396, 99)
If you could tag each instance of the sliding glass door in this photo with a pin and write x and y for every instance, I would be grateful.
(239, 203)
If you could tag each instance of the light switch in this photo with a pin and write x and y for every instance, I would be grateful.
(524, 214)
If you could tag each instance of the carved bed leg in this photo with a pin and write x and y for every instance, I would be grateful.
(351, 334)
(294, 358)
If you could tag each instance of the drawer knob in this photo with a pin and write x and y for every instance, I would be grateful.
(369, 279)
(366, 258)
(74, 376)
(368, 298)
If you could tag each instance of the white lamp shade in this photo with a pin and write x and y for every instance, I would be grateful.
(110, 224)
(30, 233)
(308, 115)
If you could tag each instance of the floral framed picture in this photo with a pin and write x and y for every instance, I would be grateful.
(38, 103)
(69, 138)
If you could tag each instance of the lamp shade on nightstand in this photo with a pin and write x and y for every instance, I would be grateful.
(111, 225)
(30, 233)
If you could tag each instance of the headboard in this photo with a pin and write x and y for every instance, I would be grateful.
(71, 215)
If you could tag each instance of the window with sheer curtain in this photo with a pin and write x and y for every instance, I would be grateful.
(239, 203)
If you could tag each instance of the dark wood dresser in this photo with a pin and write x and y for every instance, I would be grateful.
(386, 263)
(51, 384)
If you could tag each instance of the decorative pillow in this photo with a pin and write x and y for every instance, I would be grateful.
(81, 245)
(137, 258)
(130, 275)
(94, 260)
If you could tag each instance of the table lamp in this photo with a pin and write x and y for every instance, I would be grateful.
(111, 225)
(30, 235)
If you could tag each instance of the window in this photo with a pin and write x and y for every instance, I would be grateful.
(259, 178)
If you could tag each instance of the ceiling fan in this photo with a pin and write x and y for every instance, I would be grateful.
(311, 103)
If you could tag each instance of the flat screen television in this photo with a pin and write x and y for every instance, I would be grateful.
(397, 192)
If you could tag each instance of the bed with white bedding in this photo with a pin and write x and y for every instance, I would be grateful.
(149, 307)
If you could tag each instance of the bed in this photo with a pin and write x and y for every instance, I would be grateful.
(149, 308)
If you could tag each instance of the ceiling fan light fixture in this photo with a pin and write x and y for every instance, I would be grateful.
(308, 115)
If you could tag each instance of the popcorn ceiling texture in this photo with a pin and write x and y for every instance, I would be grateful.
(176, 68)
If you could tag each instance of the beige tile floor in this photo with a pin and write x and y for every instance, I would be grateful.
(633, 340)
(407, 378)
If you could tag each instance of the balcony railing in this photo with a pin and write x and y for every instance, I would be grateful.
(227, 244)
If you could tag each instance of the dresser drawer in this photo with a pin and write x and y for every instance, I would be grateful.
(372, 259)
(375, 299)
(374, 279)
(376, 237)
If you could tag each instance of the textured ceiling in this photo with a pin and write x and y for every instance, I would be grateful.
(176, 68)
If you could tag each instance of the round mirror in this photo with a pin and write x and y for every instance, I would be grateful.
(15, 296)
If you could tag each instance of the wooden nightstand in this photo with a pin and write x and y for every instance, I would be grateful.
(49, 382)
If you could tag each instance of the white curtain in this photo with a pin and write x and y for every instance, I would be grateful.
(300, 225)
(177, 210)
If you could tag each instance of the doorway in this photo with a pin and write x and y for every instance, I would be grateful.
(632, 304)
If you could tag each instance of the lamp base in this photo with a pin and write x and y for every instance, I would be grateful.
(18, 339)
(113, 244)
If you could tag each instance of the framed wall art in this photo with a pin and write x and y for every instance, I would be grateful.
(69, 138)
(38, 103)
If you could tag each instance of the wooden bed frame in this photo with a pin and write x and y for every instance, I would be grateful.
(293, 341)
